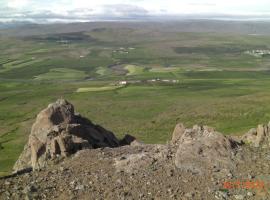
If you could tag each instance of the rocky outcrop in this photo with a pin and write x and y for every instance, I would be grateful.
(58, 132)
(258, 137)
(202, 148)
(199, 163)
(179, 130)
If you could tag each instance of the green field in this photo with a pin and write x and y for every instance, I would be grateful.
(134, 70)
(98, 89)
(218, 84)
(61, 74)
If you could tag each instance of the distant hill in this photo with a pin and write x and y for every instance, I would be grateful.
(219, 26)
(11, 25)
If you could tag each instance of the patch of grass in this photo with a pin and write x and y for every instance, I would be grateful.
(102, 71)
(11, 147)
(228, 74)
(224, 49)
(18, 64)
(62, 74)
(134, 69)
(99, 89)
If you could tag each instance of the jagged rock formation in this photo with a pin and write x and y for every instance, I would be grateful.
(258, 137)
(59, 132)
(202, 148)
(195, 165)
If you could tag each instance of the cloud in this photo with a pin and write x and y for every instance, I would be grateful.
(79, 14)
(18, 4)
(124, 10)
(43, 11)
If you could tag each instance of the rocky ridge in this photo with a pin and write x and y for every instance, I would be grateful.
(79, 160)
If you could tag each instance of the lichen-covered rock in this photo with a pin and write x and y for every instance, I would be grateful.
(202, 148)
(59, 132)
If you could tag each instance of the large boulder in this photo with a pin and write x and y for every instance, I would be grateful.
(58, 132)
(201, 149)
(258, 137)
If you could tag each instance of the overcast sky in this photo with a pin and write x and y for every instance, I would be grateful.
(87, 10)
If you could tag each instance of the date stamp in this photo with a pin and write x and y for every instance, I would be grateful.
(244, 184)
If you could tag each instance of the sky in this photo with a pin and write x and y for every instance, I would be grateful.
(89, 10)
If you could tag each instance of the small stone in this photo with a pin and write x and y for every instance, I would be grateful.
(141, 195)
(239, 197)
(72, 183)
(29, 189)
(169, 191)
(7, 193)
(79, 187)
(250, 176)
(216, 170)
(221, 195)
(123, 158)
(250, 194)
(118, 181)
(170, 172)
(189, 195)
(7, 183)
(185, 180)
(15, 187)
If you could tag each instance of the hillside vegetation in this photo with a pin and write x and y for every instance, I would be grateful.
(171, 76)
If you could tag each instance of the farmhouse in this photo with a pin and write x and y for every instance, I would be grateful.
(122, 82)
